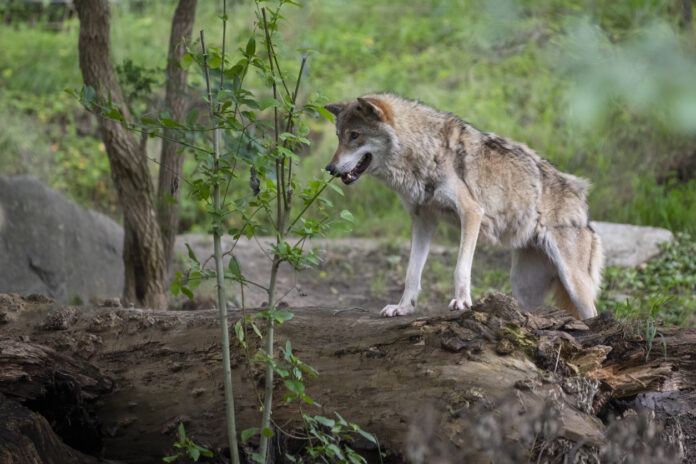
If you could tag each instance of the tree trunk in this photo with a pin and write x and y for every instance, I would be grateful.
(488, 385)
(172, 162)
(142, 248)
(687, 15)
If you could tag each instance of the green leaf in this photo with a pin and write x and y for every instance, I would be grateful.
(186, 61)
(239, 331)
(195, 280)
(234, 268)
(182, 432)
(267, 102)
(214, 61)
(336, 450)
(115, 114)
(195, 454)
(186, 291)
(192, 117)
(337, 189)
(175, 287)
(288, 153)
(369, 436)
(170, 123)
(191, 254)
(282, 316)
(341, 420)
(325, 421)
(256, 330)
(251, 46)
(248, 433)
(170, 458)
(326, 113)
(267, 432)
(295, 386)
(347, 215)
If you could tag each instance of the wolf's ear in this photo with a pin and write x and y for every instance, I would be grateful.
(335, 108)
(374, 108)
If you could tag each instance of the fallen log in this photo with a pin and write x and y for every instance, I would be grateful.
(488, 384)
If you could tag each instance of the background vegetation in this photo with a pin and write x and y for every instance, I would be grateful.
(603, 89)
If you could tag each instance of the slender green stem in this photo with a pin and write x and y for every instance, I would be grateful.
(280, 163)
(280, 202)
(309, 203)
(273, 57)
(224, 30)
(268, 384)
(220, 274)
(289, 124)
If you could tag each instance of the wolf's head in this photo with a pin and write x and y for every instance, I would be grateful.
(365, 137)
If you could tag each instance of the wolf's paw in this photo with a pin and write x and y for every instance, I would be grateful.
(396, 310)
(460, 304)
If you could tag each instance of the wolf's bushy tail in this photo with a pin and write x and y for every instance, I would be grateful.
(579, 259)
(596, 261)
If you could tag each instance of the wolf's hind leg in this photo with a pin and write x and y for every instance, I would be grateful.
(577, 254)
(531, 276)
(422, 229)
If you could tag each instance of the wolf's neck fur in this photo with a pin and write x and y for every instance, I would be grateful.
(418, 130)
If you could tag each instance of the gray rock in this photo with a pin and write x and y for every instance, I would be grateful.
(51, 246)
(630, 246)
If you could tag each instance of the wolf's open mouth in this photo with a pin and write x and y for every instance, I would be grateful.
(355, 174)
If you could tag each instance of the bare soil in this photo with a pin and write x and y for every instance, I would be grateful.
(363, 274)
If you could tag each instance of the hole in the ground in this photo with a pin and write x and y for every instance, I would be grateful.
(66, 410)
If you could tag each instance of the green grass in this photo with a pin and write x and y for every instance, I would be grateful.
(664, 287)
(515, 68)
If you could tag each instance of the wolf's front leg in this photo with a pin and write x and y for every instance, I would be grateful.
(470, 215)
(422, 229)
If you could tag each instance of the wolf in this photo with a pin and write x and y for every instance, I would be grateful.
(495, 189)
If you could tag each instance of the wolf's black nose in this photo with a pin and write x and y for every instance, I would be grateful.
(331, 168)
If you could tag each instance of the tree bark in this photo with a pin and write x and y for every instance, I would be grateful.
(142, 249)
(429, 388)
(172, 162)
(687, 15)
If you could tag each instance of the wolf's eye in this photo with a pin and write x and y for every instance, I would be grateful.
(354, 135)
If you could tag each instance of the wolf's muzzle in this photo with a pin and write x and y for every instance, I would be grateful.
(332, 169)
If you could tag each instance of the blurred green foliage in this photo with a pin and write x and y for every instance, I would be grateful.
(603, 89)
